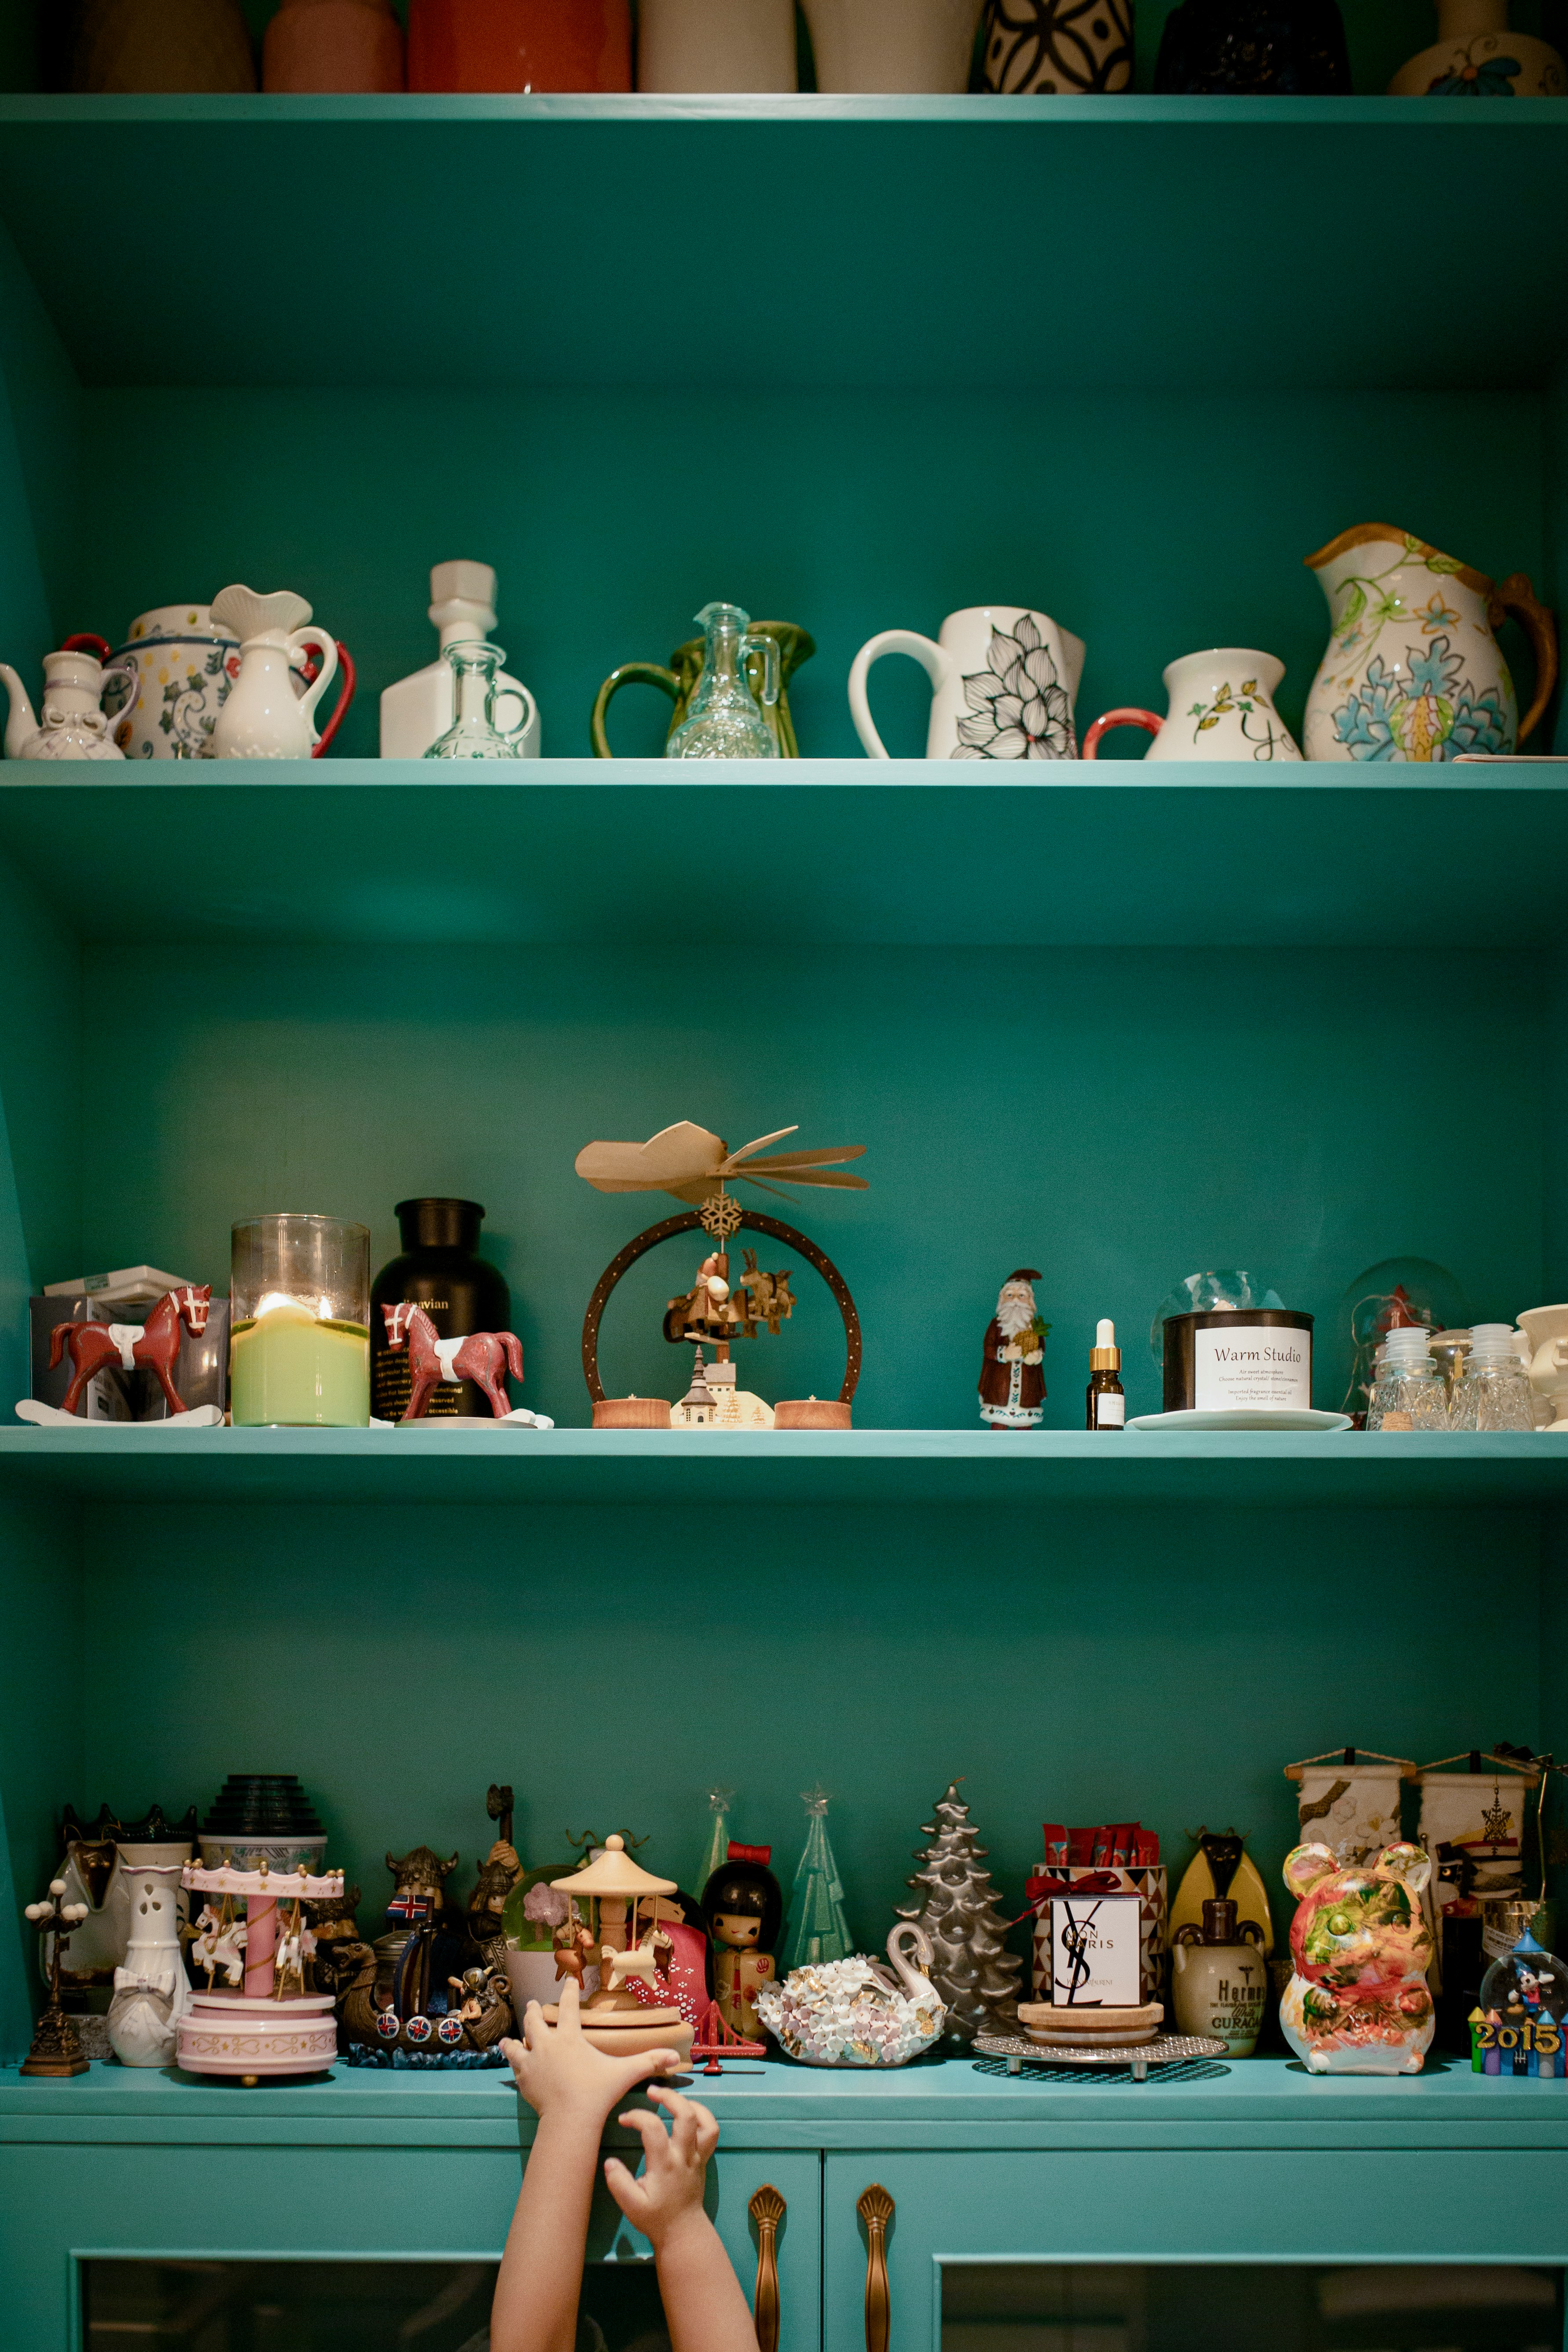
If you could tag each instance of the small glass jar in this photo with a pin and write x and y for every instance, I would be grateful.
(1494, 1391)
(1409, 1390)
(300, 1354)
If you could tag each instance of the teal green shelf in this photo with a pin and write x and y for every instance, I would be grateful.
(884, 1466)
(1261, 2103)
(871, 853)
(873, 205)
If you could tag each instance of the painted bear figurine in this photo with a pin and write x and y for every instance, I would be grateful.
(1358, 2002)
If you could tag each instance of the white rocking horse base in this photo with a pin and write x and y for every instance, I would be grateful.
(257, 2040)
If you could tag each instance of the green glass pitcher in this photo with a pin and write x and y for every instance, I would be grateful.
(680, 683)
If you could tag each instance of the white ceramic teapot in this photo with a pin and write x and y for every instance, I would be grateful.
(265, 717)
(72, 724)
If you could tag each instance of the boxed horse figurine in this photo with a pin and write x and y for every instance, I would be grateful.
(116, 1373)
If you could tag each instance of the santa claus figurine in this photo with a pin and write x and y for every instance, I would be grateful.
(1012, 1383)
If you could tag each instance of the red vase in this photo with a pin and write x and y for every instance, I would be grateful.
(333, 44)
(519, 44)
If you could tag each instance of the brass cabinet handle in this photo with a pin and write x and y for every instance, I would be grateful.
(766, 2208)
(874, 2207)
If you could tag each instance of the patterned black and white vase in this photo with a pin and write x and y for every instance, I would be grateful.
(1040, 47)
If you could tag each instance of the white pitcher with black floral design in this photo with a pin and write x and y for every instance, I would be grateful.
(1413, 670)
(1004, 681)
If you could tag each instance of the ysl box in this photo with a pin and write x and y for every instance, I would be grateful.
(1095, 1951)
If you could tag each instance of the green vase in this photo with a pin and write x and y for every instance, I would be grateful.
(680, 680)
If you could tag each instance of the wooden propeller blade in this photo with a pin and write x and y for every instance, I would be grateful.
(805, 1176)
(679, 1155)
(779, 1161)
(757, 1143)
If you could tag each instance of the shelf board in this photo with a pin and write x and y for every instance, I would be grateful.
(888, 1467)
(1261, 2103)
(874, 202)
(878, 853)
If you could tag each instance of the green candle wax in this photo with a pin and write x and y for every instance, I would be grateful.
(287, 1369)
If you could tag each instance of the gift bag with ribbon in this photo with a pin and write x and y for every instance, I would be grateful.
(1116, 1858)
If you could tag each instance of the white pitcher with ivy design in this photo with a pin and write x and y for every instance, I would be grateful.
(1413, 670)
(1004, 680)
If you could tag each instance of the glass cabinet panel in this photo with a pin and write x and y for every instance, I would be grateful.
(1238, 2306)
(341, 2307)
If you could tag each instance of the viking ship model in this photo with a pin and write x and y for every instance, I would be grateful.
(695, 1167)
(431, 1991)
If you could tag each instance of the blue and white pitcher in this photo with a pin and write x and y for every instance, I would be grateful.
(1413, 670)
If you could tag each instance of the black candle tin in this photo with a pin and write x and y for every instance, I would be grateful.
(1237, 1359)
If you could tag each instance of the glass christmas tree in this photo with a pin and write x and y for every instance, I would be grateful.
(818, 1928)
(720, 1801)
(971, 1969)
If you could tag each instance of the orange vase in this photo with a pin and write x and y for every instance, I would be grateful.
(519, 44)
(333, 46)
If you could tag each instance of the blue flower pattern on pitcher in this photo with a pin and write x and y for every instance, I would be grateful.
(1436, 717)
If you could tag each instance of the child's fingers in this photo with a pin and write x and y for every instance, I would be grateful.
(627, 2191)
(512, 2052)
(568, 2019)
(683, 2128)
(638, 2069)
(707, 2130)
(536, 2033)
(648, 2129)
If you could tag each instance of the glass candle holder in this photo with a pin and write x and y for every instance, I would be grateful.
(300, 1354)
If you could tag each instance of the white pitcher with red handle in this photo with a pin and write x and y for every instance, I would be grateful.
(1221, 706)
(265, 717)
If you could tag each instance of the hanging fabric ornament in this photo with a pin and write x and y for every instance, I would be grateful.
(720, 1801)
(818, 1928)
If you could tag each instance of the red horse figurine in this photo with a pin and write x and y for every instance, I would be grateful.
(153, 1346)
(482, 1359)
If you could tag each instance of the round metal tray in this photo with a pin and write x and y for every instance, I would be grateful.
(1136, 2057)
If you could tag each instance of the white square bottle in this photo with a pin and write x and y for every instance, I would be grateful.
(418, 709)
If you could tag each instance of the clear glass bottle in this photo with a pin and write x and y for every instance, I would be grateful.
(724, 720)
(474, 664)
(1493, 1391)
(1409, 1390)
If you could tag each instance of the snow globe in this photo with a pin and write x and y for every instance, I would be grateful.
(1517, 2026)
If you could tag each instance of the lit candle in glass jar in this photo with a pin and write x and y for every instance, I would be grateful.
(300, 1354)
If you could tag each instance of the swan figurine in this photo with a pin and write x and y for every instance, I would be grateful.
(855, 2012)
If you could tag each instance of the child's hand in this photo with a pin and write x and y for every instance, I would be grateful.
(670, 2190)
(562, 2075)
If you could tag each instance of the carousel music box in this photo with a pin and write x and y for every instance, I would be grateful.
(615, 1927)
(262, 2024)
(694, 1166)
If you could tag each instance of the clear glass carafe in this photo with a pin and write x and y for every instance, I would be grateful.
(1494, 1391)
(724, 720)
(474, 664)
(1409, 1390)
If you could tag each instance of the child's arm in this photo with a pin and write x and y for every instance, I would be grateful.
(572, 2087)
(705, 2308)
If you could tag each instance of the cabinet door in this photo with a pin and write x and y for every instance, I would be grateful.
(982, 2249)
(335, 2246)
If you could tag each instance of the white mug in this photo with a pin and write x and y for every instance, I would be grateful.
(1005, 679)
(1221, 707)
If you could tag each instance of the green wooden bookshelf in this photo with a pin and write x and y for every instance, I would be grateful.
(1127, 359)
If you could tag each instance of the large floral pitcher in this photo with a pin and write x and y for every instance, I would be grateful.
(1413, 670)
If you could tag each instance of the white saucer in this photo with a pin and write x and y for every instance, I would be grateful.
(1302, 1418)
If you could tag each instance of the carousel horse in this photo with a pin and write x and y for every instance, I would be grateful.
(483, 1358)
(153, 1346)
(220, 1944)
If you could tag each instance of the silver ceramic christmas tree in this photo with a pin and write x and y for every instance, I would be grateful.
(971, 1969)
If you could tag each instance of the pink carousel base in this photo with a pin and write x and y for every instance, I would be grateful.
(259, 2040)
